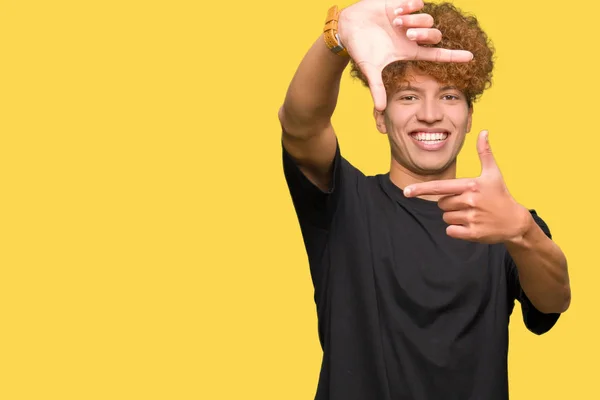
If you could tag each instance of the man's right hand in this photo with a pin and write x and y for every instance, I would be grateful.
(373, 38)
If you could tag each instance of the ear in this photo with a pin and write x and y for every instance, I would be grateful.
(469, 118)
(380, 120)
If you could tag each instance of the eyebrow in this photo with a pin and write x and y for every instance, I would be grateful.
(415, 89)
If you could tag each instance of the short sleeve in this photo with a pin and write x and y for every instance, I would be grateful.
(316, 208)
(313, 206)
(535, 320)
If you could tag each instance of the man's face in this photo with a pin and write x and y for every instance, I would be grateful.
(426, 122)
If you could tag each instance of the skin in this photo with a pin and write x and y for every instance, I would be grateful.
(422, 103)
(478, 209)
(375, 34)
(379, 32)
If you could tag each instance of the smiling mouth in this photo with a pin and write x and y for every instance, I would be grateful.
(429, 137)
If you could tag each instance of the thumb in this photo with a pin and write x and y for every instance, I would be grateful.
(376, 85)
(488, 163)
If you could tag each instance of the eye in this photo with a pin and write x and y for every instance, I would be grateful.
(408, 98)
(450, 97)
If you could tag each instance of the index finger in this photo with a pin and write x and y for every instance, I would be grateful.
(437, 54)
(441, 187)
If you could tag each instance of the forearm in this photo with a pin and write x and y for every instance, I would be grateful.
(542, 267)
(312, 95)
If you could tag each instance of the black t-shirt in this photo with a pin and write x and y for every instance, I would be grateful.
(404, 310)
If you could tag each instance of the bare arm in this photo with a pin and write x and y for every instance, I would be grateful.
(483, 210)
(542, 269)
(366, 30)
(305, 116)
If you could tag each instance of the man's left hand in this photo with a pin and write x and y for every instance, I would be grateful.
(478, 209)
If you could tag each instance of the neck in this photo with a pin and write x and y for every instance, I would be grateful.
(402, 177)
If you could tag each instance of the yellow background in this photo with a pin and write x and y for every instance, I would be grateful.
(149, 248)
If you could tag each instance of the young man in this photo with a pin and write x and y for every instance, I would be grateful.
(415, 272)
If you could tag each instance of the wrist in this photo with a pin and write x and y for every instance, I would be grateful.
(331, 35)
(525, 225)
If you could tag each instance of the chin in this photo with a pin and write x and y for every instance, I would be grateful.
(428, 164)
(431, 168)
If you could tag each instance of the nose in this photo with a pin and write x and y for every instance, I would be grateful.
(430, 111)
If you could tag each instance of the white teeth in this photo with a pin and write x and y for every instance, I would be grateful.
(430, 137)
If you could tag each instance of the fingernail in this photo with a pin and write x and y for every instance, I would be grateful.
(412, 35)
(407, 191)
(398, 22)
(398, 11)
